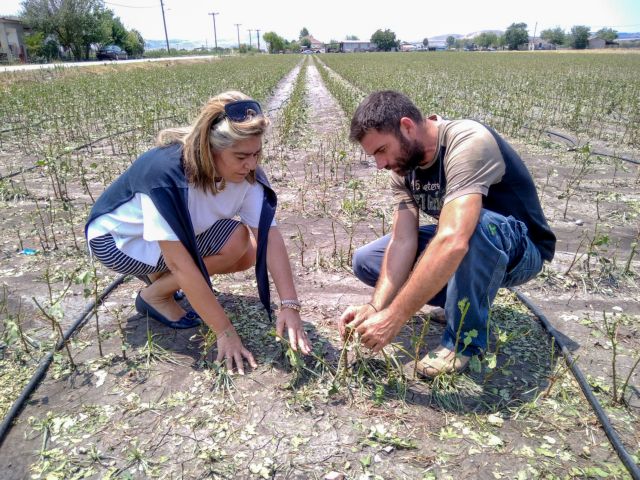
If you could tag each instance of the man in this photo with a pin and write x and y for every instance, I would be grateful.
(490, 230)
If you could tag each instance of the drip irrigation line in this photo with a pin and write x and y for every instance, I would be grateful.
(80, 147)
(574, 146)
(574, 143)
(43, 366)
(615, 440)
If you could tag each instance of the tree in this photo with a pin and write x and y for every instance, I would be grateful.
(425, 42)
(304, 33)
(275, 42)
(305, 42)
(292, 46)
(134, 43)
(486, 40)
(516, 35)
(553, 35)
(451, 41)
(352, 37)
(75, 23)
(35, 45)
(113, 31)
(386, 41)
(607, 34)
(579, 36)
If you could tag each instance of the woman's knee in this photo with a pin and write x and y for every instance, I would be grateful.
(240, 249)
(237, 244)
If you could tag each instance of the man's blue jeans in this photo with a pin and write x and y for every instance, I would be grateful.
(500, 255)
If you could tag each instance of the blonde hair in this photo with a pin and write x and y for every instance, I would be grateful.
(212, 132)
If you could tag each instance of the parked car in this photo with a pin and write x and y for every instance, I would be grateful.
(111, 52)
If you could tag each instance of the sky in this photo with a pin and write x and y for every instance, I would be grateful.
(411, 20)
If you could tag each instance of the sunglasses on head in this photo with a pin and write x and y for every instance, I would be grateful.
(240, 110)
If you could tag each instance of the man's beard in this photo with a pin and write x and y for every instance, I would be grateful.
(412, 154)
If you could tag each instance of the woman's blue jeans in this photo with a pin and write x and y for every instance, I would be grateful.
(500, 255)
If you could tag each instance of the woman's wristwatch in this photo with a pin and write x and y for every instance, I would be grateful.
(292, 304)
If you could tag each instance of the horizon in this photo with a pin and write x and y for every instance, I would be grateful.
(190, 21)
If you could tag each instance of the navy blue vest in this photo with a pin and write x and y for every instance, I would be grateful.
(515, 194)
(159, 173)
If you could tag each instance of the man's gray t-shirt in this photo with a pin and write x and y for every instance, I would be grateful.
(472, 162)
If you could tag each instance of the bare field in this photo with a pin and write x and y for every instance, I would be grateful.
(132, 399)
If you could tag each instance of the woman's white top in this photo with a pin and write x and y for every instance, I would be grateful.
(137, 226)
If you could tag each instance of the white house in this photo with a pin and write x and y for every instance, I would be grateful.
(315, 43)
(12, 46)
(357, 46)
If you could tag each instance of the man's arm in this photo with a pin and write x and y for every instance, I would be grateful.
(396, 266)
(458, 221)
(400, 255)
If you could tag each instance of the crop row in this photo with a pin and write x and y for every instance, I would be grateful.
(590, 96)
(43, 117)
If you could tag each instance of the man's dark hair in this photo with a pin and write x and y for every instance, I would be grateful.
(382, 111)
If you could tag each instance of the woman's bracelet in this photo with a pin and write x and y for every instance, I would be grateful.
(292, 304)
(372, 306)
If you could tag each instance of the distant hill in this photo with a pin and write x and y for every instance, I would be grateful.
(443, 38)
(628, 36)
(475, 34)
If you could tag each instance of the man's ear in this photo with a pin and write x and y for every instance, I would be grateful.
(407, 127)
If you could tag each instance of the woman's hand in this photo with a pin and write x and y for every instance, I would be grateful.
(290, 319)
(231, 350)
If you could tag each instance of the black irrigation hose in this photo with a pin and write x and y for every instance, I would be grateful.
(548, 132)
(75, 149)
(575, 146)
(570, 361)
(80, 147)
(617, 444)
(41, 371)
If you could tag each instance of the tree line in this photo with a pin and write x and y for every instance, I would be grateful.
(76, 26)
(515, 36)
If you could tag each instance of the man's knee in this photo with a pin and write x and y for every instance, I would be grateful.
(491, 230)
(363, 268)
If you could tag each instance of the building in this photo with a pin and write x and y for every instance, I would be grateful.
(316, 45)
(538, 43)
(357, 46)
(12, 47)
(597, 42)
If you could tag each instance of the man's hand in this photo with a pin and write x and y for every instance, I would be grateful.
(352, 317)
(380, 329)
(290, 319)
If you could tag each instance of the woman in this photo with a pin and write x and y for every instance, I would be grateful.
(171, 216)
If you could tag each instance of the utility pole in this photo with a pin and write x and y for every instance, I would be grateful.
(258, 35)
(250, 38)
(238, 31)
(215, 35)
(164, 22)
